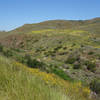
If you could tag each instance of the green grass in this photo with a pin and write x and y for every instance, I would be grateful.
(61, 74)
(18, 83)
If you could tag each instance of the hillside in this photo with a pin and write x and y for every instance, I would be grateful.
(19, 82)
(69, 49)
(60, 24)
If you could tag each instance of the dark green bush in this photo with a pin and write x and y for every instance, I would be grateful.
(40, 49)
(21, 59)
(73, 44)
(58, 47)
(90, 66)
(77, 66)
(16, 49)
(1, 48)
(71, 60)
(95, 86)
(74, 56)
(50, 53)
(61, 74)
(90, 53)
(33, 63)
(82, 45)
(8, 53)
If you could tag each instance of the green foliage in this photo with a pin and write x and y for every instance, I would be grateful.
(50, 53)
(91, 53)
(58, 47)
(1, 48)
(40, 49)
(73, 57)
(18, 84)
(21, 59)
(8, 52)
(61, 74)
(16, 49)
(71, 60)
(33, 63)
(77, 66)
(95, 86)
(90, 65)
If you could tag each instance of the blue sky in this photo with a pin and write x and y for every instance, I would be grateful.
(14, 13)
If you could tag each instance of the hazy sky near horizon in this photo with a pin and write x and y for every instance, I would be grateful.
(14, 13)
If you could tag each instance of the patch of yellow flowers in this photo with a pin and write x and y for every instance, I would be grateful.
(68, 31)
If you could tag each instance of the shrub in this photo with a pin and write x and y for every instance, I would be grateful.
(73, 44)
(58, 47)
(50, 53)
(1, 48)
(90, 53)
(16, 49)
(40, 49)
(64, 48)
(95, 86)
(37, 64)
(82, 45)
(21, 59)
(33, 63)
(90, 66)
(75, 56)
(71, 60)
(77, 66)
(61, 74)
(8, 53)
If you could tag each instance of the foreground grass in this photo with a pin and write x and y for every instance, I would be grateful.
(17, 82)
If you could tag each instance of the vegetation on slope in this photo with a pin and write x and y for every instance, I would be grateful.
(20, 82)
(69, 49)
(76, 52)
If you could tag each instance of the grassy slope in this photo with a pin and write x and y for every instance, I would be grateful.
(17, 82)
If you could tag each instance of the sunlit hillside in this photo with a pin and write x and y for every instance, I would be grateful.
(62, 56)
(19, 82)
